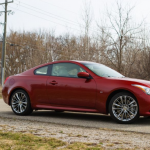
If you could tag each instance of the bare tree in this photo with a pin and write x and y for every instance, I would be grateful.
(120, 32)
(119, 43)
(87, 21)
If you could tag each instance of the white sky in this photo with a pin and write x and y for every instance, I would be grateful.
(63, 15)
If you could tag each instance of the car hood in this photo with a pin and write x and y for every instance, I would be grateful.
(134, 81)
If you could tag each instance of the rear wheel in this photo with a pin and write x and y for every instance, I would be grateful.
(20, 103)
(123, 108)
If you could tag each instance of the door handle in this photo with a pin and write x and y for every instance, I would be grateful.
(53, 82)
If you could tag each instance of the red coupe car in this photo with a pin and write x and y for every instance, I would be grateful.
(78, 86)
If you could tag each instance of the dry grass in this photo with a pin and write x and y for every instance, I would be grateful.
(17, 141)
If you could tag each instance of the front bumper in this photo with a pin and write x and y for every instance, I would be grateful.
(144, 104)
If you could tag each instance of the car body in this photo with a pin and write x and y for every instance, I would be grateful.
(90, 93)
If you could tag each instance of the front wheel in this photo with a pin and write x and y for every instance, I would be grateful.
(123, 108)
(20, 103)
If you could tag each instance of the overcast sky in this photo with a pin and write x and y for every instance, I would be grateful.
(63, 15)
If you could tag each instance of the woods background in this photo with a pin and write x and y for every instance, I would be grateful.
(116, 41)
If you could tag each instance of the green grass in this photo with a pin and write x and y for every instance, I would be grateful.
(17, 141)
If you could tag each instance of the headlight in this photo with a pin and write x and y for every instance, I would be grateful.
(143, 88)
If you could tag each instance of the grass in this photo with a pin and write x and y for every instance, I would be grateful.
(17, 141)
(83, 146)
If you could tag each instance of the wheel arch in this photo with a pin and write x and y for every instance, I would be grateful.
(114, 93)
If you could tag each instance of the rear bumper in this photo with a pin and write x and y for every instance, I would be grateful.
(5, 94)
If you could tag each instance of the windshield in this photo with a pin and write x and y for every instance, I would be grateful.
(102, 70)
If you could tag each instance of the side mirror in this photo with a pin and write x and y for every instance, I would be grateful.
(83, 75)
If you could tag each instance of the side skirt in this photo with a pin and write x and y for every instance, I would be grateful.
(40, 107)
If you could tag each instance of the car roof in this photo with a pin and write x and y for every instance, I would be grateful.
(83, 61)
(30, 71)
(79, 61)
(63, 61)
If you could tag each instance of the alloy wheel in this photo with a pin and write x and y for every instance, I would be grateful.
(19, 102)
(125, 108)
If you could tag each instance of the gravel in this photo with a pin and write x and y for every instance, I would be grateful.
(108, 138)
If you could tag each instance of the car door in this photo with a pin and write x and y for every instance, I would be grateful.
(65, 88)
(39, 83)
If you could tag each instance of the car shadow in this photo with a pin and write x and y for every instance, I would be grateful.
(73, 115)
(78, 118)
(65, 115)
(87, 117)
(91, 117)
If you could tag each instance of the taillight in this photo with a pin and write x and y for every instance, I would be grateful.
(6, 80)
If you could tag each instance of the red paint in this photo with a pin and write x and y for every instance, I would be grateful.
(74, 94)
(6, 80)
(83, 74)
(71, 92)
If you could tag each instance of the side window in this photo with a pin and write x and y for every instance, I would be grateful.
(66, 70)
(41, 71)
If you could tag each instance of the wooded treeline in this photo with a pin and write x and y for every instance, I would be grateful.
(118, 43)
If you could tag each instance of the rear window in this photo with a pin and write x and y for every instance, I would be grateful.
(41, 71)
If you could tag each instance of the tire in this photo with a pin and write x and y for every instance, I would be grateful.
(123, 108)
(20, 103)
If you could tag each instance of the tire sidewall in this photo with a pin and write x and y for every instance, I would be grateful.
(28, 109)
(111, 112)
